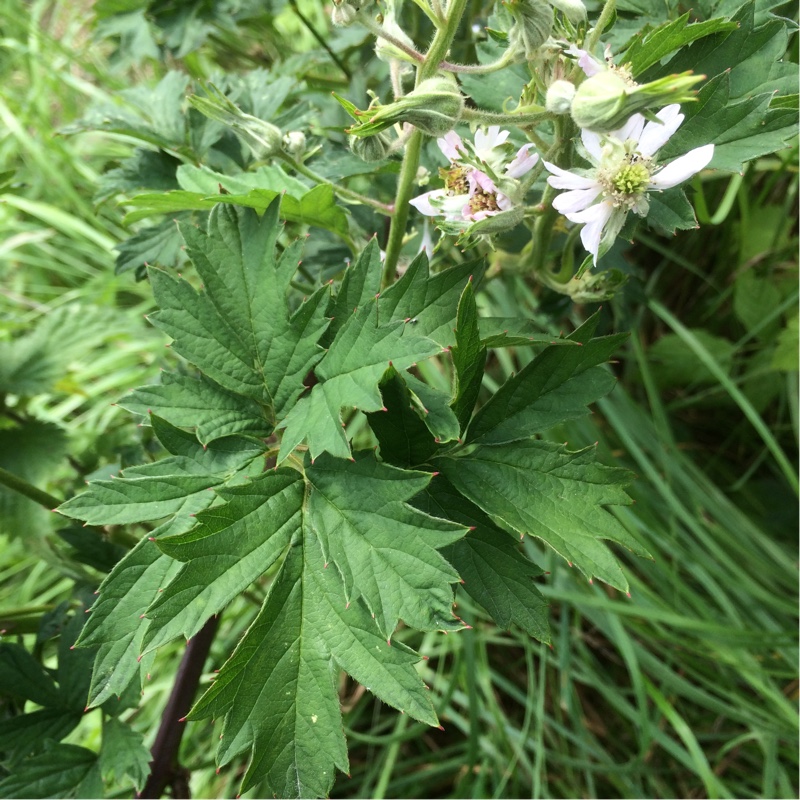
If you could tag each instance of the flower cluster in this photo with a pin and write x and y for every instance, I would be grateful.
(625, 170)
(479, 183)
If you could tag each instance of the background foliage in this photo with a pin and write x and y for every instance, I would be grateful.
(688, 689)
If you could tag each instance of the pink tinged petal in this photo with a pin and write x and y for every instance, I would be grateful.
(562, 179)
(423, 203)
(523, 162)
(450, 144)
(481, 180)
(578, 200)
(681, 169)
(591, 141)
(589, 64)
(594, 219)
(503, 202)
(655, 136)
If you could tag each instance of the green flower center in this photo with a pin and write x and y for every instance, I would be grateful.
(455, 179)
(631, 179)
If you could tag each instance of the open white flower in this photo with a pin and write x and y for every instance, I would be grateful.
(625, 170)
(472, 194)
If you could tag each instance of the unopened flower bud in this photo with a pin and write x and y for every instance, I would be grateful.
(294, 143)
(434, 107)
(533, 24)
(343, 14)
(559, 97)
(370, 148)
(385, 50)
(606, 101)
(573, 10)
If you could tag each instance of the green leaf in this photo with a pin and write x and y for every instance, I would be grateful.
(115, 623)
(404, 439)
(429, 301)
(434, 408)
(556, 386)
(542, 489)
(158, 245)
(752, 298)
(469, 357)
(384, 549)
(124, 753)
(64, 770)
(22, 676)
(349, 375)
(673, 364)
(671, 211)
(27, 733)
(231, 546)
(361, 283)
(648, 48)
(515, 332)
(201, 404)
(239, 330)
(278, 691)
(493, 570)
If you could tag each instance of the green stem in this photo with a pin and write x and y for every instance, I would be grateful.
(480, 69)
(492, 118)
(382, 208)
(408, 173)
(606, 15)
(381, 32)
(320, 39)
(405, 186)
(22, 487)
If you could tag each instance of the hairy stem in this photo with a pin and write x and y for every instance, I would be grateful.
(164, 768)
(606, 15)
(515, 118)
(382, 208)
(438, 50)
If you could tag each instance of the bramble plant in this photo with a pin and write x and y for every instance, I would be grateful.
(327, 427)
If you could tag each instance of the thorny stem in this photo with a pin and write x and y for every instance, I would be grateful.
(164, 768)
(438, 50)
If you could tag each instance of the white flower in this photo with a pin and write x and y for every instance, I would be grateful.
(470, 193)
(625, 169)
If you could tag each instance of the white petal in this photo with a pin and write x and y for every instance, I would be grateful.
(562, 179)
(681, 169)
(632, 129)
(594, 219)
(591, 141)
(578, 200)
(423, 203)
(450, 144)
(523, 162)
(503, 202)
(655, 136)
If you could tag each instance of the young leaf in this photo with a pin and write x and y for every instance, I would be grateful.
(384, 549)
(556, 386)
(239, 330)
(349, 375)
(544, 490)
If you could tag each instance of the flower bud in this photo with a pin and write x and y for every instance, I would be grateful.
(434, 107)
(294, 143)
(384, 49)
(370, 148)
(263, 138)
(573, 10)
(343, 14)
(533, 23)
(606, 101)
(559, 97)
